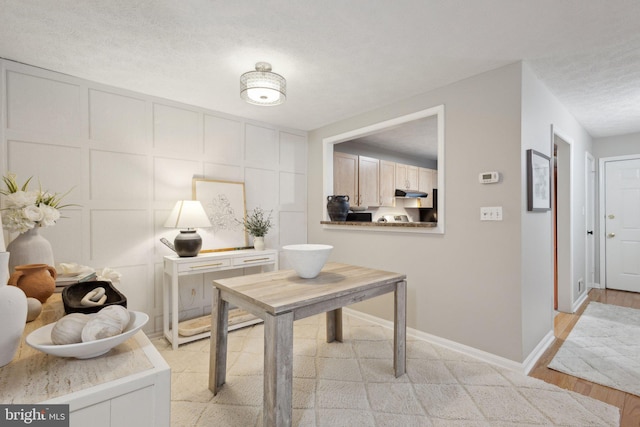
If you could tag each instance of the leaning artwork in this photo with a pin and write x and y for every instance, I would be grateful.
(224, 203)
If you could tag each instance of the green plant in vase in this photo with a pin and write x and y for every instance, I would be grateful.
(257, 223)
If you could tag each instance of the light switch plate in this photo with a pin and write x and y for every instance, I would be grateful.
(491, 213)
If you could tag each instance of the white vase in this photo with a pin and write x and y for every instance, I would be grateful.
(30, 248)
(13, 313)
(258, 243)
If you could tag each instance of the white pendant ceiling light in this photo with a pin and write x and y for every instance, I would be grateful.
(262, 87)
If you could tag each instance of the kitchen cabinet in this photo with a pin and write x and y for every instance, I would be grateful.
(387, 183)
(406, 177)
(368, 181)
(372, 182)
(345, 176)
(425, 184)
(357, 177)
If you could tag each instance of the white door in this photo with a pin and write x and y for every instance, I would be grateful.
(622, 224)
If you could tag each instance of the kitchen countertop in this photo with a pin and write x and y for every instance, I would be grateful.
(383, 224)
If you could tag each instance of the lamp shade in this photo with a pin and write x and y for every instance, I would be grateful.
(262, 87)
(188, 214)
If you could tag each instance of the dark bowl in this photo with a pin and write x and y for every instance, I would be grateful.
(73, 294)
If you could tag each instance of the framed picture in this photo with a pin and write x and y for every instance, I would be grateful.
(538, 182)
(224, 203)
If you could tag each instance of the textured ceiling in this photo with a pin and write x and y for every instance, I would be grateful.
(340, 58)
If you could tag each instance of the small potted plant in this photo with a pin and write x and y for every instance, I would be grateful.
(257, 224)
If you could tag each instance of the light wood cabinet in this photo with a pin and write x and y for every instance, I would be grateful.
(406, 177)
(425, 184)
(387, 183)
(373, 182)
(345, 176)
(357, 177)
(368, 181)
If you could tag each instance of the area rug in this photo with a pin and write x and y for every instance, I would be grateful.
(604, 348)
(352, 384)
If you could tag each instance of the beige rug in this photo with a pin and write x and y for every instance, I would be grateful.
(604, 348)
(352, 384)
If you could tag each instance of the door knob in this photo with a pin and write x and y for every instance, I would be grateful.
(590, 232)
(610, 235)
(611, 216)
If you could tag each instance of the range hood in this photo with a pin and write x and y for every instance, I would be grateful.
(410, 193)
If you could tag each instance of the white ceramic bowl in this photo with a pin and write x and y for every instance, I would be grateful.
(307, 259)
(40, 339)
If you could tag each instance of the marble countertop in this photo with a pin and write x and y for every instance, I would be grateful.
(33, 376)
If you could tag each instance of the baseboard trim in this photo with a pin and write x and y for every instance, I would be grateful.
(576, 305)
(537, 352)
(484, 356)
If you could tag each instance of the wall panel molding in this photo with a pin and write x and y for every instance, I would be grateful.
(129, 157)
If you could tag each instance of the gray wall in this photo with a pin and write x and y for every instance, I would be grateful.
(621, 145)
(464, 285)
(487, 285)
(540, 111)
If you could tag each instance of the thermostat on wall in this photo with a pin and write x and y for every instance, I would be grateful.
(489, 177)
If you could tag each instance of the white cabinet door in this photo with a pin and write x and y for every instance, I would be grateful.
(133, 409)
(387, 183)
(98, 415)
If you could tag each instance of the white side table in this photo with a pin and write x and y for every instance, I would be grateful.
(175, 266)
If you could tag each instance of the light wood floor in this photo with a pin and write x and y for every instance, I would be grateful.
(629, 404)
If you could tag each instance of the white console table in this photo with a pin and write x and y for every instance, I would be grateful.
(175, 266)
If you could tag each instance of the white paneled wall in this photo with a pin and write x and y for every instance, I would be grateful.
(128, 158)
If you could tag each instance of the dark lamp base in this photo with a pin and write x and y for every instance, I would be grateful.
(187, 243)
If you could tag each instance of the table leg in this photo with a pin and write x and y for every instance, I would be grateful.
(218, 341)
(166, 283)
(174, 312)
(400, 329)
(334, 325)
(278, 370)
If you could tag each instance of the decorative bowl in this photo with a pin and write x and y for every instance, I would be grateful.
(40, 339)
(73, 294)
(307, 259)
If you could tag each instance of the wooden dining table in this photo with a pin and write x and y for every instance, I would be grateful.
(281, 297)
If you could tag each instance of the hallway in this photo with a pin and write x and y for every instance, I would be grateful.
(629, 404)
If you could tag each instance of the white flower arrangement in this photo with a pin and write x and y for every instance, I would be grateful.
(109, 275)
(26, 209)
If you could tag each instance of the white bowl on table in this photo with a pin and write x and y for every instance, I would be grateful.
(307, 259)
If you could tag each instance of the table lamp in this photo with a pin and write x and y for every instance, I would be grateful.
(187, 215)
